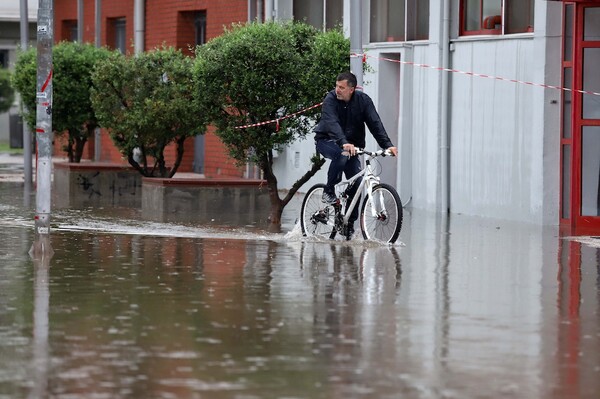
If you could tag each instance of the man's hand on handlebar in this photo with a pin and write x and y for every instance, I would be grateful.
(350, 148)
(352, 151)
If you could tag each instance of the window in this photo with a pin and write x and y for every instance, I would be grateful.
(200, 28)
(3, 58)
(116, 34)
(191, 30)
(69, 30)
(399, 20)
(322, 14)
(496, 17)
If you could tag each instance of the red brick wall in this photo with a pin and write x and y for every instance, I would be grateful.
(218, 166)
(162, 17)
(167, 22)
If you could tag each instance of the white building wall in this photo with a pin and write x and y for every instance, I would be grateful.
(423, 96)
(10, 15)
(548, 40)
(504, 145)
(492, 140)
(503, 136)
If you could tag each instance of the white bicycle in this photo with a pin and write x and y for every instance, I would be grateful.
(380, 216)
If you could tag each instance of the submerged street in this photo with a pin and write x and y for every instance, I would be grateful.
(462, 307)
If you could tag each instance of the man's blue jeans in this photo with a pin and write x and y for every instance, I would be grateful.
(341, 162)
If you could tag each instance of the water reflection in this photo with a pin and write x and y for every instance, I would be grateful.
(41, 306)
(376, 268)
(467, 308)
(578, 352)
(163, 317)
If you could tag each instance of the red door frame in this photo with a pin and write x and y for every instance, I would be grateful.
(580, 224)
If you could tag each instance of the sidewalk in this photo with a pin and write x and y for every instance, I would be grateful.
(11, 167)
(11, 159)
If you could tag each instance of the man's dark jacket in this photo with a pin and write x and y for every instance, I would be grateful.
(345, 122)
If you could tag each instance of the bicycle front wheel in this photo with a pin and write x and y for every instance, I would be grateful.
(381, 215)
(316, 218)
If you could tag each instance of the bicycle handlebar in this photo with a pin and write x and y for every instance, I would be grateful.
(379, 153)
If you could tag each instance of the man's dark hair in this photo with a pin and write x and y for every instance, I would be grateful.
(348, 76)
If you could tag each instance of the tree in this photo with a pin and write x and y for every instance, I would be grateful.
(24, 80)
(148, 102)
(72, 111)
(7, 93)
(260, 72)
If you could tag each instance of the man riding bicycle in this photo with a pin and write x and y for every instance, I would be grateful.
(341, 130)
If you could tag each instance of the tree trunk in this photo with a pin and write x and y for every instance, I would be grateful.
(78, 150)
(278, 204)
(180, 141)
(266, 163)
(68, 148)
(317, 163)
(143, 169)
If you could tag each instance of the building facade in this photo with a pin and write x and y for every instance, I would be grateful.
(10, 43)
(493, 105)
(141, 25)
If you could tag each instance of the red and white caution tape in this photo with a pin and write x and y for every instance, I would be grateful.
(416, 64)
(279, 119)
(479, 75)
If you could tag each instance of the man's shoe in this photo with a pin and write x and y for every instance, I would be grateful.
(322, 216)
(329, 199)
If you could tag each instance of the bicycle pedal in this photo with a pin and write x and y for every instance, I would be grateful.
(320, 217)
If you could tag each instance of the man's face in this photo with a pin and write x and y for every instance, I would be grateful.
(343, 90)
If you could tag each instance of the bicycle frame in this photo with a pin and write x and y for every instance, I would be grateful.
(369, 181)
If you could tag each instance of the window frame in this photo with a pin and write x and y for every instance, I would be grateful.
(501, 31)
(116, 34)
(200, 27)
(325, 23)
(69, 30)
(411, 29)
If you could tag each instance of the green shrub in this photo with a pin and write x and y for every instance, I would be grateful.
(148, 102)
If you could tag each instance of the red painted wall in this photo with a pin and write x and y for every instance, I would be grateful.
(168, 22)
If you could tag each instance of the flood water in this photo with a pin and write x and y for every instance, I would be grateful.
(462, 308)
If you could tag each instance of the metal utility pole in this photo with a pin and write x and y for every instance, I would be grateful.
(139, 25)
(356, 40)
(80, 21)
(98, 23)
(27, 150)
(43, 129)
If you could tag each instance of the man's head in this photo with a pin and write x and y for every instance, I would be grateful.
(345, 83)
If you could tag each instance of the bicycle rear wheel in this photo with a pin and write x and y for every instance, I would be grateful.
(316, 218)
(381, 215)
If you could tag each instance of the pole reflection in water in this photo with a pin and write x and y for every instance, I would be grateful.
(442, 291)
(27, 196)
(41, 308)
